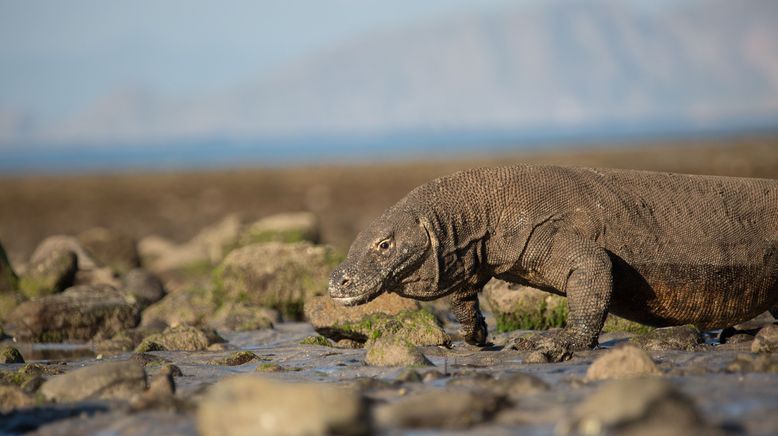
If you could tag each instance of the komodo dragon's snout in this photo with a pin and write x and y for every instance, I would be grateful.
(383, 258)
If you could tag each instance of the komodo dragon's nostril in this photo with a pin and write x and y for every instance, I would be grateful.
(345, 281)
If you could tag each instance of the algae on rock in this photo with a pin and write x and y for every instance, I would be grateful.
(284, 227)
(419, 327)
(180, 338)
(78, 314)
(275, 275)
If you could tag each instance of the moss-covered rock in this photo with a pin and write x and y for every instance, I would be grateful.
(614, 324)
(190, 306)
(325, 315)
(8, 280)
(518, 307)
(239, 317)
(78, 314)
(394, 350)
(209, 247)
(120, 380)
(275, 275)
(270, 367)
(687, 337)
(284, 227)
(51, 272)
(419, 327)
(146, 287)
(180, 338)
(112, 249)
(316, 340)
(8, 302)
(10, 355)
(237, 358)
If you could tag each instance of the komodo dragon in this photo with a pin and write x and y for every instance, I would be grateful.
(660, 249)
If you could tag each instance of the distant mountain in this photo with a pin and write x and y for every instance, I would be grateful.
(548, 65)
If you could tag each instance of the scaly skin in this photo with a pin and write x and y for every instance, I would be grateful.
(657, 248)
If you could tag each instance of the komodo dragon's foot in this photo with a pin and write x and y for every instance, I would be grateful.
(555, 347)
(477, 333)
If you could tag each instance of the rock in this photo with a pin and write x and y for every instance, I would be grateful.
(209, 246)
(622, 362)
(275, 275)
(239, 317)
(514, 386)
(184, 307)
(119, 380)
(10, 355)
(56, 243)
(316, 340)
(125, 340)
(32, 384)
(766, 341)
(115, 250)
(180, 338)
(78, 314)
(519, 307)
(270, 367)
(284, 227)
(762, 362)
(9, 282)
(387, 314)
(218, 239)
(391, 350)
(13, 398)
(51, 272)
(247, 405)
(144, 286)
(685, 337)
(449, 409)
(614, 324)
(8, 302)
(237, 358)
(160, 394)
(636, 407)
(145, 359)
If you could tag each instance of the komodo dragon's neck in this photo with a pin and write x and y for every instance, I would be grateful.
(462, 228)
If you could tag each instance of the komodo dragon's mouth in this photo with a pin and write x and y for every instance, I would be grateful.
(373, 291)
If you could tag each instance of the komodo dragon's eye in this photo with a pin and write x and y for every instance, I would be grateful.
(384, 245)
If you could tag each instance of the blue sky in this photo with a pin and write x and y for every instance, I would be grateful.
(57, 57)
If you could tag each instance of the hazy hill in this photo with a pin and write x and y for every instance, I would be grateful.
(544, 66)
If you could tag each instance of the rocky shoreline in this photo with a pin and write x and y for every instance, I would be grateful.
(232, 333)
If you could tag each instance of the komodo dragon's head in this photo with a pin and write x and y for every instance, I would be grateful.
(396, 253)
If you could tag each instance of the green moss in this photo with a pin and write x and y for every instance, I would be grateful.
(542, 317)
(261, 236)
(10, 355)
(236, 358)
(200, 268)
(148, 345)
(419, 326)
(316, 340)
(616, 324)
(270, 367)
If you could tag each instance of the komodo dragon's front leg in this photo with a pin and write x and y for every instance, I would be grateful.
(464, 305)
(577, 267)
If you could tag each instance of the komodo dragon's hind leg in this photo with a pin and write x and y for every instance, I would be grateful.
(580, 269)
